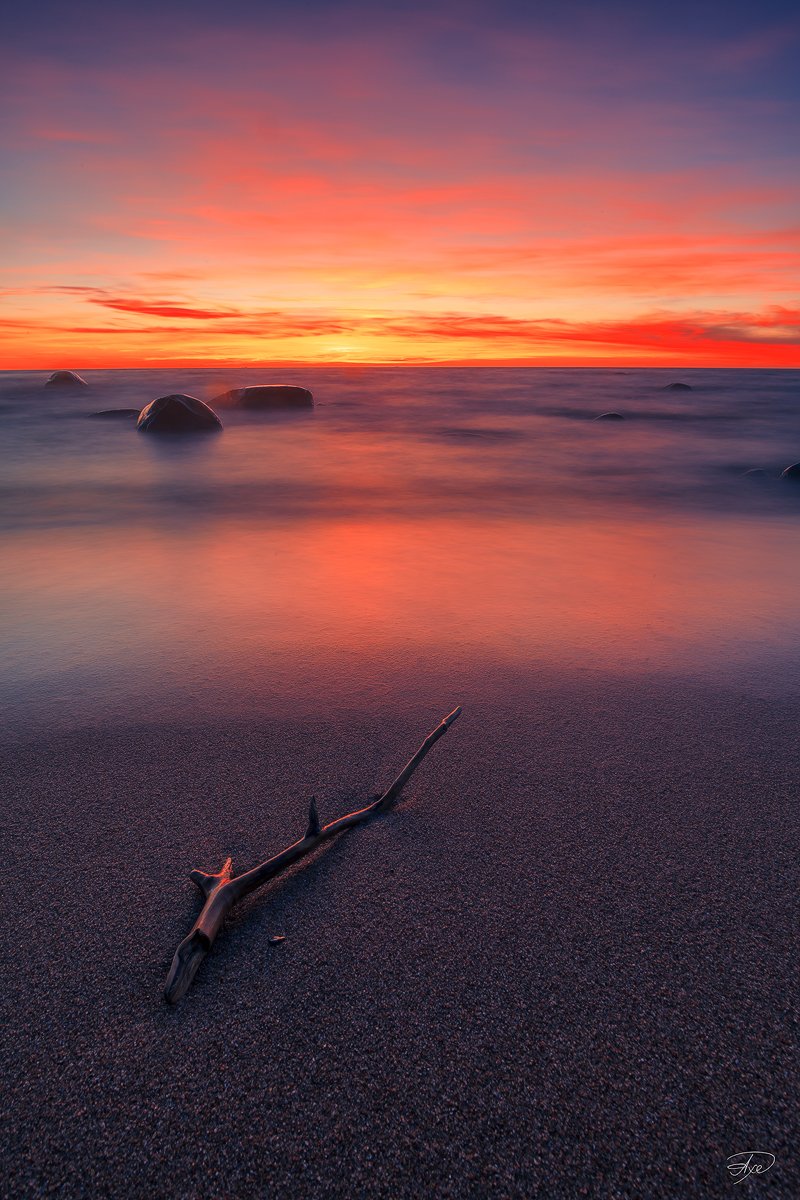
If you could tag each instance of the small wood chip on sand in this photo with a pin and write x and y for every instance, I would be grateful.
(222, 891)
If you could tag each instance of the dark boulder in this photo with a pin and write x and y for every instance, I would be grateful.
(610, 416)
(177, 414)
(792, 472)
(678, 387)
(66, 379)
(267, 396)
(112, 414)
(755, 473)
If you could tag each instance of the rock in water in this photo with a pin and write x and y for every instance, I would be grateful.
(792, 472)
(267, 396)
(612, 416)
(755, 473)
(66, 379)
(678, 387)
(177, 414)
(111, 414)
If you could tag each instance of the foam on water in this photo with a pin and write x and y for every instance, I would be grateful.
(415, 516)
(402, 440)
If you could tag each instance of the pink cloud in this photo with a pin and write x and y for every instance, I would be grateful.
(220, 192)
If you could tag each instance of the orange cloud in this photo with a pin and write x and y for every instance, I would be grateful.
(770, 337)
(163, 308)
(394, 207)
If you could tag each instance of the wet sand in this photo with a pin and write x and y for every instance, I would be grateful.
(562, 967)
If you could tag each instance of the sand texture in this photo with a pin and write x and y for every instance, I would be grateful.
(562, 967)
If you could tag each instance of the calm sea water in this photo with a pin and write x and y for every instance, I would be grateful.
(436, 523)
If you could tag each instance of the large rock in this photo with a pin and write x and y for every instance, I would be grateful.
(66, 379)
(792, 472)
(267, 396)
(610, 416)
(177, 414)
(678, 387)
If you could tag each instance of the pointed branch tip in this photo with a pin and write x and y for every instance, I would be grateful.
(313, 819)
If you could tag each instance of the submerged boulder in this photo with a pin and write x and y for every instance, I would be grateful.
(755, 473)
(267, 396)
(678, 387)
(610, 416)
(177, 414)
(66, 379)
(111, 414)
(792, 472)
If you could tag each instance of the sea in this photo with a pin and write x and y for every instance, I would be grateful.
(437, 524)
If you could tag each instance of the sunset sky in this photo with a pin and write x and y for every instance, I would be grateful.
(557, 183)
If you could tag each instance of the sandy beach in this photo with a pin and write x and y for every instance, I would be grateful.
(561, 967)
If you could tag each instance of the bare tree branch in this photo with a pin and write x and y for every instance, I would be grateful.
(222, 891)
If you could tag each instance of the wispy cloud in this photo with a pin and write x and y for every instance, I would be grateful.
(429, 183)
(162, 308)
(764, 337)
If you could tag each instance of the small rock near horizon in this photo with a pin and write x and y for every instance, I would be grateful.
(66, 379)
(108, 414)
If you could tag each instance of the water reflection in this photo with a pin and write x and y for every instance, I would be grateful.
(247, 610)
(451, 521)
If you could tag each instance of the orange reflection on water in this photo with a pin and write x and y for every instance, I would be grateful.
(616, 590)
(245, 607)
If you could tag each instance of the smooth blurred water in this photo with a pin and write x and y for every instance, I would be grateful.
(440, 521)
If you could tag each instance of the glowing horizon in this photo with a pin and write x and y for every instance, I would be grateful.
(433, 187)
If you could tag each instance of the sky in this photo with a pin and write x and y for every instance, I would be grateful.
(516, 183)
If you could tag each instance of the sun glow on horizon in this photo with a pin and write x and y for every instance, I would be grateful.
(401, 206)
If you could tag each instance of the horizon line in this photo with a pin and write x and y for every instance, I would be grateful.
(494, 364)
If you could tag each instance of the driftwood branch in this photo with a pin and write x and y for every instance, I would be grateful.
(222, 891)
